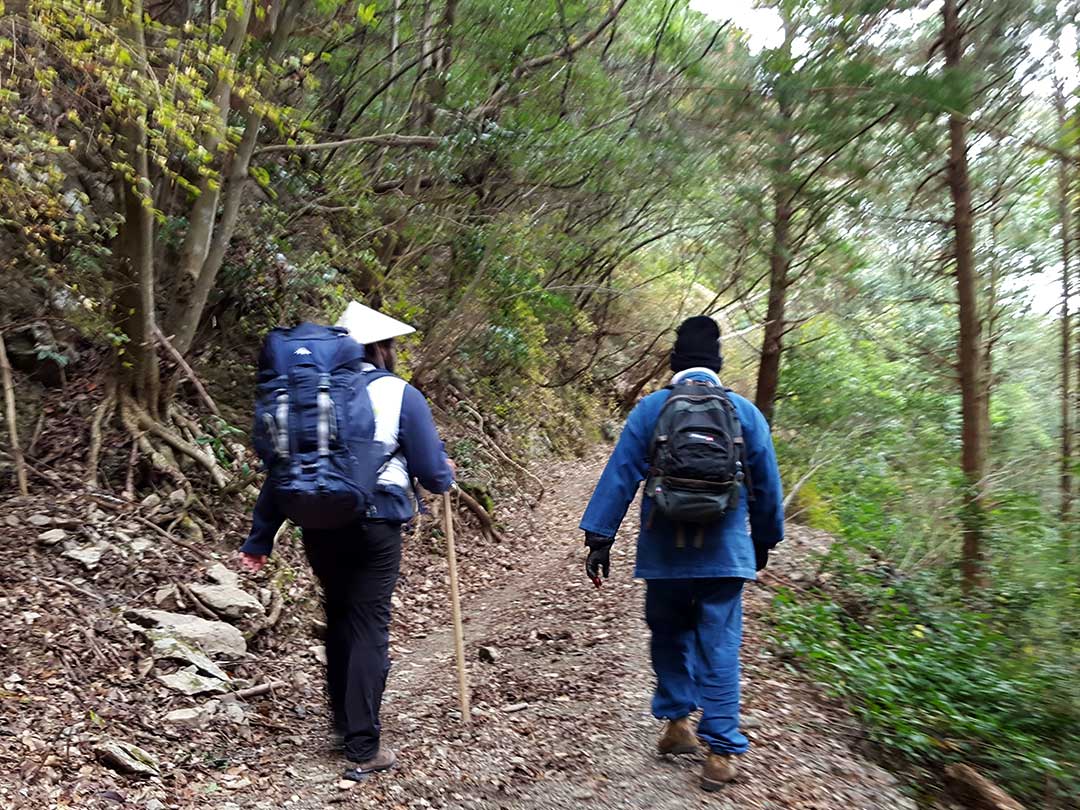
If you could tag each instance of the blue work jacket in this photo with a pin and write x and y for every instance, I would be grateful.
(727, 546)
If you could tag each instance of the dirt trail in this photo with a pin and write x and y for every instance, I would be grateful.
(563, 712)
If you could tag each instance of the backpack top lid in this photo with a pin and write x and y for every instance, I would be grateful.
(702, 387)
(327, 347)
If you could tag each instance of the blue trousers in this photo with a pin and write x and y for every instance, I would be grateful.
(696, 627)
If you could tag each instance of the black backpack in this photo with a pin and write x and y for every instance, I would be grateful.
(696, 457)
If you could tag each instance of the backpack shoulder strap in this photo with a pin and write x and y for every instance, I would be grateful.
(659, 423)
(748, 481)
(374, 374)
(377, 373)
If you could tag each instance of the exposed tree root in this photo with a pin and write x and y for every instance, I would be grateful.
(273, 616)
(208, 528)
(135, 418)
(156, 457)
(241, 483)
(979, 791)
(129, 479)
(186, 449)
(188, 426)
(172, 538)
(487, 522)
(102, 416)
(188, 371)
(39, 428)
(199, 606)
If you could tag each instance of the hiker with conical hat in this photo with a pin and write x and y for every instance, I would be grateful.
(712, 509)
(357, 563)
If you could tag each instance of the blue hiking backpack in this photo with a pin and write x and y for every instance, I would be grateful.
(314, 425)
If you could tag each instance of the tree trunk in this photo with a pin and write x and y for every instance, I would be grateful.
(1066, 334)
(420, 115)
(780, 253)
(204, 209)
(633, 393)
(772, 344)
(1072, 538)
(135, 237)
(973, 385)
(11, 416)
(186, 318)
(395, 38)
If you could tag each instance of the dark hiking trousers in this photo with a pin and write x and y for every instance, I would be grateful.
(358, 568)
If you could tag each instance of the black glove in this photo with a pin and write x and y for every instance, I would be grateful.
(761, 556)
(599, 558)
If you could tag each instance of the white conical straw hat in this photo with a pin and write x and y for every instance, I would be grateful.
(367, 325)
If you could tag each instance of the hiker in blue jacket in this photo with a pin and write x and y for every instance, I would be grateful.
(357, 566)
(693, 602)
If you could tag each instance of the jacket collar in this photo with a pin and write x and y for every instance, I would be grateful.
(697, 373)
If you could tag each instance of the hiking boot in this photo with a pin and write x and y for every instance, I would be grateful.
(382, 761)
(719, 769)
(678, 738)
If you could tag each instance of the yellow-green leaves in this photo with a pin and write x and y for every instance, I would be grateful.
(365, 14)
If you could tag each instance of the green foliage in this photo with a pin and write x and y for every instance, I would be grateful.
(219, 441)
(934, 677)
(814, 508)
(942, 684)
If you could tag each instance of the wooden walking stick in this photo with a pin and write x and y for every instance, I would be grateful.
(455, 606)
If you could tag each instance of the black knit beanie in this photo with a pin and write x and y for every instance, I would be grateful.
(697, 345)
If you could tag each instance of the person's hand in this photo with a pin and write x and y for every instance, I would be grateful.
(599, 559)
(452, 465)
(252, 563)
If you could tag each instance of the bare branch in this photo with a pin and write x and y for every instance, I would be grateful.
(533, 65)
(391, 139)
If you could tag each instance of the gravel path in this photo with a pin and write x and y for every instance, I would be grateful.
(562, 713)
(560, 704)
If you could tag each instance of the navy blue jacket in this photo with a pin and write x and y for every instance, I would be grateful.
(728, 547)
(403, 423)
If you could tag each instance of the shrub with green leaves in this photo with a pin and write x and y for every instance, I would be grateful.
(934, 675)
(944, 685)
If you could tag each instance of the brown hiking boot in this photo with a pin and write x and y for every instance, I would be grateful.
(719, 769)
(382, 761)
(678, 738)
